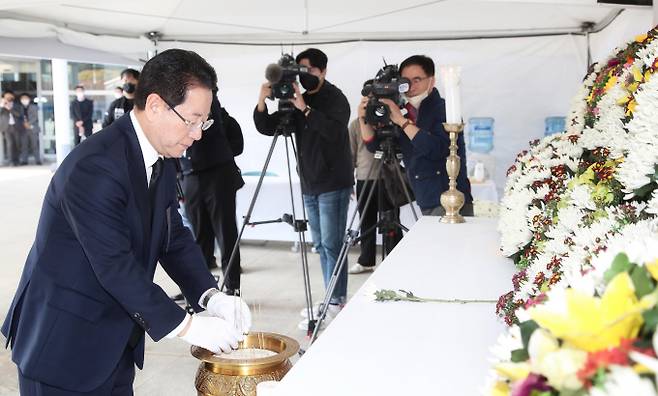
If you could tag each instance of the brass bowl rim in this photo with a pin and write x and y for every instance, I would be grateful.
(290, 348)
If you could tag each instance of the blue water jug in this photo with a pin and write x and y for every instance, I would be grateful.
(480, 134)
(554, 125)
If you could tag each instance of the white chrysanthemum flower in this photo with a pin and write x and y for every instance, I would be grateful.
(639, 241)
(581, 196)
(624, 381)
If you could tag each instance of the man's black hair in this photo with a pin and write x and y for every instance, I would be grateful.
(8, 91)
(171, 74)
(80, 87)
(25, 94)
(315, 57)
(132, 72)
(425, 62)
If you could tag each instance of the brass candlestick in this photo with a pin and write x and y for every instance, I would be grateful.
(453, 199)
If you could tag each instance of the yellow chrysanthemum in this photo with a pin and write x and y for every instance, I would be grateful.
(624, 100)
(500, 388)
(640, 38)
(595, 323)
(631, 107)
(611, 83)
(513, 371)
(637, 74)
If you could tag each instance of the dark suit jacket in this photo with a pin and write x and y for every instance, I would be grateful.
(88, 279)
(83, 111)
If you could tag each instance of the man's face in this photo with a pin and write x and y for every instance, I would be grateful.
(419, 81)
(129, 78)
(9, 98)
(320, 74)
(172, 135)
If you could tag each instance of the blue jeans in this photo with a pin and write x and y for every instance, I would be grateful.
(327, 216)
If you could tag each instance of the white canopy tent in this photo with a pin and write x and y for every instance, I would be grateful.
(522, 59)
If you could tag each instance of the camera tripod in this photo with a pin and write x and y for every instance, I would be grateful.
(285, 128)
(385, 155)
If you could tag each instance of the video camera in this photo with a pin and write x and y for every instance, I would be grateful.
(282, 75)
(387, 84)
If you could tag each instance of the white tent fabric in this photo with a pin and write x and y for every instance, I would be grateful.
(516, 80)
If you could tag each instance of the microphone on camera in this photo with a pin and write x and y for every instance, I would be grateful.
(273, 73)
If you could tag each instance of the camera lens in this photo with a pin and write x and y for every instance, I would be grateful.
(380, 111)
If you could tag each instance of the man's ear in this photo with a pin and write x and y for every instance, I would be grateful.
(154, 107)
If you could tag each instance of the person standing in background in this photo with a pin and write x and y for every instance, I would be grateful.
(81, 112)
(211, 180)
(124, 104)
(32, 129)
(11, 123)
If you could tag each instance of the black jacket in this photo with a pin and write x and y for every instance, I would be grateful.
(322, 139)
(82, 111)
(117, 108)
(217, 147)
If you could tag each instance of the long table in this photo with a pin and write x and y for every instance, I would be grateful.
(409, 348)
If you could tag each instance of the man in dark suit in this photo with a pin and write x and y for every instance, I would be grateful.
(86, 296)
(211, 181)
(82, 109)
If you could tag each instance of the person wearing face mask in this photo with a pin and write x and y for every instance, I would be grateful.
(13, 127)
(124, 104)
(32, 129)
(325, 162)
(81, 112)
(424, 143)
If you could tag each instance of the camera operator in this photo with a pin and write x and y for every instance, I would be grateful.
(123, 104)
(424, 143)
(320, 116)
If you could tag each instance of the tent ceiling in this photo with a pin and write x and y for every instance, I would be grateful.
(260, 21)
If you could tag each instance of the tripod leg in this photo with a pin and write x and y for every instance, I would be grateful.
(247, 217)
(404, 188)
(301, 235)
(350, 237)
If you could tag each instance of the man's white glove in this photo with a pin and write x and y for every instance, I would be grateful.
(214, 334)
(233, 309)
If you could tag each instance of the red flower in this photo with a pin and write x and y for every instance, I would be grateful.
(605, 358)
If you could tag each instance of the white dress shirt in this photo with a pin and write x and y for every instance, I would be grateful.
(150, 156)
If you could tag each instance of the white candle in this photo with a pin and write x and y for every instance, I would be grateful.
(450, 76)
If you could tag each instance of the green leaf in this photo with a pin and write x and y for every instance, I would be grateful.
(520, 355)
(527, 328)
(644, 191)
(642, 281)
(650, 321)
(599, 377)
(619, 264)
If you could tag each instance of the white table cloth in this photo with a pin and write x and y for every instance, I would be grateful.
(405, 348)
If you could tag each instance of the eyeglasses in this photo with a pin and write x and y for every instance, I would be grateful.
(191, 126)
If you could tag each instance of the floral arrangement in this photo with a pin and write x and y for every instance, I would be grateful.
(570, 194)
(598, 339)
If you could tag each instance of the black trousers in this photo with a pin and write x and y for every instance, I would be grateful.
(120, 382)
(210, 208)
(368, 242)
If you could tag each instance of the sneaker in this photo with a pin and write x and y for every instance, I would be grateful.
(331, 314)
(316, 311)
(360, 269)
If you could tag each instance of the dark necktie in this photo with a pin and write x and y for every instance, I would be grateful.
(153, 184)
(412, 113)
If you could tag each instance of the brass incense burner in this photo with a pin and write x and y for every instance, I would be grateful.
(219, 376)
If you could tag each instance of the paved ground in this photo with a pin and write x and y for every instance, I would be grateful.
(272, 284)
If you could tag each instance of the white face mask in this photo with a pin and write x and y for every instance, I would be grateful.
(80, 96)
(416, 100)
(25, 102)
